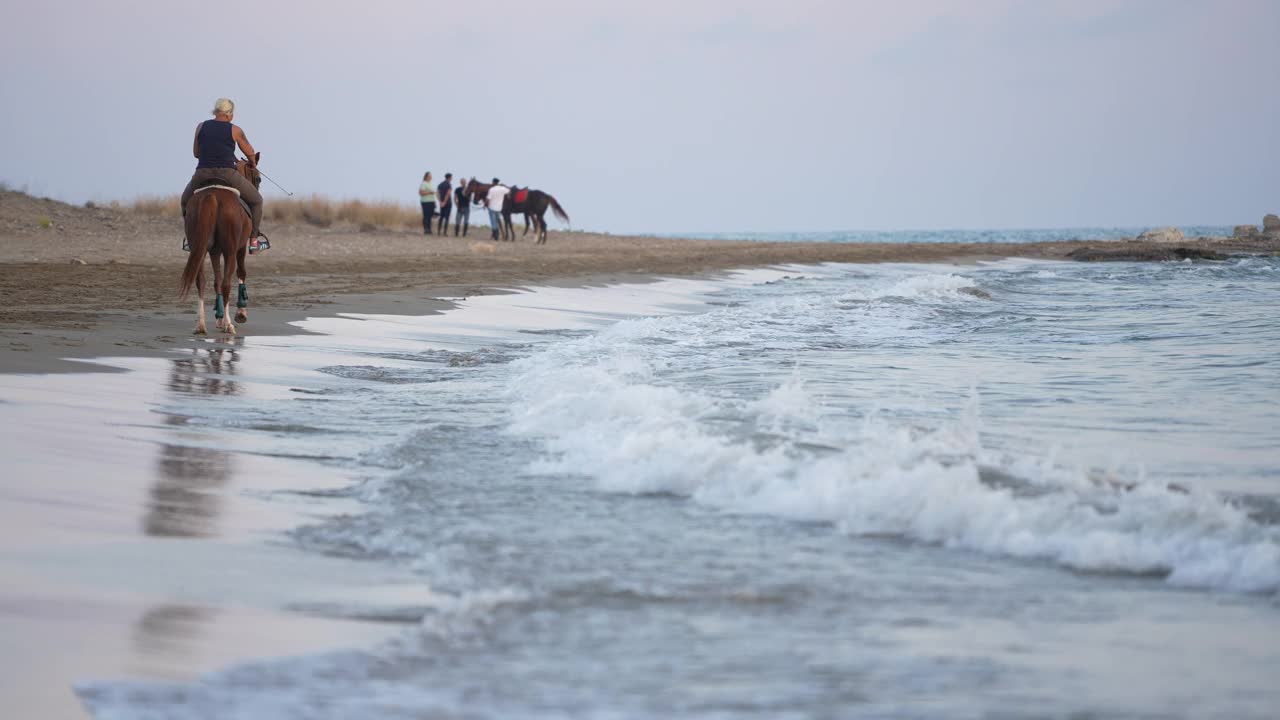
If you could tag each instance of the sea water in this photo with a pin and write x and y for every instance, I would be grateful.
(1004, 490)
(1028, 235)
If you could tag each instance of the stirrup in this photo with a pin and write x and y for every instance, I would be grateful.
(186, 246)
(259, 243)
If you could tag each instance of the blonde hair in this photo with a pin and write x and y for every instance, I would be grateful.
(223, 105)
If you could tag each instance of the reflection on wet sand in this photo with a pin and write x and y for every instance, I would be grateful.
(167, 631)
(206, 371)
(185, 499)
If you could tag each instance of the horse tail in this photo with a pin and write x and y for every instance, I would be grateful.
(555, 207)
(199, 228)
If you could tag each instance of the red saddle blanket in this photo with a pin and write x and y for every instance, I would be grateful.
(521, 196)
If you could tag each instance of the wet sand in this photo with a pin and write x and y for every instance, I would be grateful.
(132, 545)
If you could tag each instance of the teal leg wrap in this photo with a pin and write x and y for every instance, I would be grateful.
(243, 300)
(218, 308)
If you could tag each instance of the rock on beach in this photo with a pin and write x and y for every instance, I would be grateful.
(1162, 235)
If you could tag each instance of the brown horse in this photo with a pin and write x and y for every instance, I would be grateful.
(219, 226)
(534, 205)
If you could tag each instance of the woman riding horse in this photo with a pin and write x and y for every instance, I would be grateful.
(215, 151)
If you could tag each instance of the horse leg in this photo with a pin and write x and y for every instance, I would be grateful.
(219, 305)
(200, 327)
(542, 224)
(242, 292)
(526, 225)
(228, 270)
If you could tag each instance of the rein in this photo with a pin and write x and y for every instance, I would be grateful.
(268, 177)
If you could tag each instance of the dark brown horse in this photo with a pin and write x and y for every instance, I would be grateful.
(534, 204)
(219, 226)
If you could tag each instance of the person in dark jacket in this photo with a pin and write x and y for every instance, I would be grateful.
(445, 192)
(462, 206)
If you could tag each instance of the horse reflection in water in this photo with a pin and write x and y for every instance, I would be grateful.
(186, 499)
(208, 371)
(168, 633)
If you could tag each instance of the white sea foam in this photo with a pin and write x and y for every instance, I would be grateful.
(928, 285)
(606, 408)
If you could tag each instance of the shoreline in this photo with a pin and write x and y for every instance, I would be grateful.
(55, 314)
(99, 282)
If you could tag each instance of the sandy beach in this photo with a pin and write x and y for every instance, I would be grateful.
(122, 299)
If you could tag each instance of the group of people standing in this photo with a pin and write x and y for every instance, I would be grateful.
(445, 199)
(446, 196)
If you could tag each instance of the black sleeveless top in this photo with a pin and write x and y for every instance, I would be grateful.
(217, 147)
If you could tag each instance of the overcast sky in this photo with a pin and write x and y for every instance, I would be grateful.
(674, 115)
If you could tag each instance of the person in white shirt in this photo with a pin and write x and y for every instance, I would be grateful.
(497, 194)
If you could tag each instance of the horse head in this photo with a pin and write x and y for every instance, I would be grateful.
(249, 169)
(477, 191)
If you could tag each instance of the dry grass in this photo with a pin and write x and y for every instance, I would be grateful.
(323, 212)
(166, 205)
(315, 210)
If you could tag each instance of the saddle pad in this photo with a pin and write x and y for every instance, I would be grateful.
(243, 204)
(217, 187)
(521, 196)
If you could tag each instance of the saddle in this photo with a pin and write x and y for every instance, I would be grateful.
(215, 185)
(520, 196)
(256, 245)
